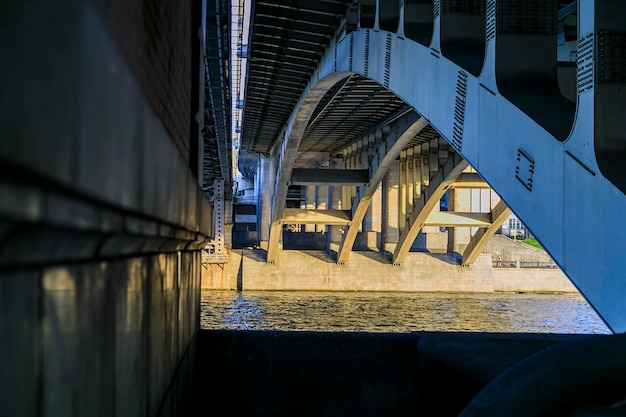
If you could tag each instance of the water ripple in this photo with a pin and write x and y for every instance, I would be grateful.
(398, 312)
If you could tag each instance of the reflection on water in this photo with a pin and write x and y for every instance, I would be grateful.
(398, 312)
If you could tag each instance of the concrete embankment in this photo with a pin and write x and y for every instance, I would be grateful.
(239, 373)
(371, 271)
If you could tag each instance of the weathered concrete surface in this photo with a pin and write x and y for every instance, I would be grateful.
(370, 271)
(99, 338)
(242, 373)
(101, 221)
(509, 249)
(366, 271)
(223, 276)
(531, 280)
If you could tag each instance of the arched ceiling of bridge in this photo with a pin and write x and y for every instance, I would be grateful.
(349, 111)
(287, 41)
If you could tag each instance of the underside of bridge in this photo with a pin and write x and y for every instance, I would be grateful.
(409, 98)
(392, 126)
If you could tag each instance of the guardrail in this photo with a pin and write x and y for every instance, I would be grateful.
(524, 264)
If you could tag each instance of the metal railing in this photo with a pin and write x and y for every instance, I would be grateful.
(505, 264)
(537, 264)
(524, 264)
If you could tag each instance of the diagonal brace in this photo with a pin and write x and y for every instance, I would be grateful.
(446, 175)
(498, 215)
(406, 129)
(285, 156)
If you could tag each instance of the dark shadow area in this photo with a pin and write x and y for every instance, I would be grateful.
(610, 92)
(328, 257)
(240, 276)
(244, 239)
(566, 73)
(367, 13)
(247, 373)
(304, 240)
(259, 255)
(526, 64)
(419, 20)
(389, 15)
(453, 258)
(463, 33)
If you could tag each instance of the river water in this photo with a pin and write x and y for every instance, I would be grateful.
(398, 312)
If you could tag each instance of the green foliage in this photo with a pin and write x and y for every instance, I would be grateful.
(527, 240)
(532, 242)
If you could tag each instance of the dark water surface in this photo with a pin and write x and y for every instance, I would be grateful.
(398, 312)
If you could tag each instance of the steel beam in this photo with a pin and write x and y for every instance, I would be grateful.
(499, 214)
(406, 129)
(352, 177)
(444, 178)
(285, 153)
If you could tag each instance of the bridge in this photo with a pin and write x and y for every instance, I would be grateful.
(117, 164)
(411, 94)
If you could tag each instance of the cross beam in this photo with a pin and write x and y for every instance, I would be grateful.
(350, 177)
(458, 219)
(307, 216)
(470, 180)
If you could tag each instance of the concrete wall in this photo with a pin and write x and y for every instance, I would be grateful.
(509, 249)
(155, 39)
(370, 271)
(100, 338)
(101, 222)
(366, 271)
(531, 280)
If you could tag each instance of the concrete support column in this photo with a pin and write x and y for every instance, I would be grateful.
(354, 164)
(372, 222)
(321, 197)
(451, 230)
(462, 203)
(345, 189)
(310, 204)
(410, 183)
(264, 200)
(403, 191)
(481, 203)
(335, 197)
(362, 162)
(370, 235)
(390, 201)
(430, 166)
(417, 173)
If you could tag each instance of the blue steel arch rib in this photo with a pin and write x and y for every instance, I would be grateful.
(556, 187)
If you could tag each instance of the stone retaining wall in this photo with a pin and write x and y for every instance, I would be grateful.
(370, 271)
